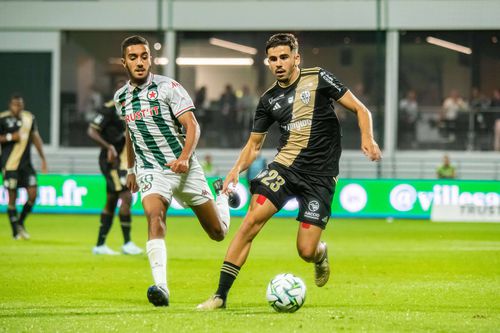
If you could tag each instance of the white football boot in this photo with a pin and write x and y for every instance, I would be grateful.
(103, 249)
(131, 249)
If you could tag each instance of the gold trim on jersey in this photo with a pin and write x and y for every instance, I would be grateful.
(301, 123)
(116, 179)
(97, 127)
(20, 146)
(123, 159)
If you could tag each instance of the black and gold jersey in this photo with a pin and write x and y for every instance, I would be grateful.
(110, 125)
(17, 154)
(112, 129)
(310, 140)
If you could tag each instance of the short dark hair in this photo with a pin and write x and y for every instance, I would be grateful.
(133, 40)
(285, 39)
(15, 96)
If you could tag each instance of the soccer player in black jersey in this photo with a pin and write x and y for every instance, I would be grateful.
(307, 162)
(18, 131)
(108, 131)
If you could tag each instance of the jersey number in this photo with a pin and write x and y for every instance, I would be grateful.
(273, 180)
(146, 183)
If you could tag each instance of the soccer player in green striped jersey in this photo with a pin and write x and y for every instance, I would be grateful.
(161, 159)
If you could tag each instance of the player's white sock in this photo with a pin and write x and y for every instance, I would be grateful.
(157, 254)
(223, 208)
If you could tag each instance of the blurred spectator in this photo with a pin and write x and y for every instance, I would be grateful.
(408, 116)
(208, 167)
(495, 108)
(452, 105)
(200, 102)
(246, 106)
(227, 116)
(257, 166)
(446, 170)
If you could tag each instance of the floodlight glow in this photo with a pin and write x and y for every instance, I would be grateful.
(160, 61)
(185, 61)
(449, 45)
(233, 46)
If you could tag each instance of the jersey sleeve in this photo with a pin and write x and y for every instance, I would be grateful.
(329, 84)
(262, 119)
(177, 98)
(99, 121)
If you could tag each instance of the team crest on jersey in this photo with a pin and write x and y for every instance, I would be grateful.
(153, 95)
(305, 96)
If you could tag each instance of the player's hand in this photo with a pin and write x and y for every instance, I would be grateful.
(44, 166)
(112, 154)
(132, 183)
(179, 165)
(231, 178)
(370, 148)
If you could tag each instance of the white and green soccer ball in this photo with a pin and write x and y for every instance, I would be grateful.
(286, 293)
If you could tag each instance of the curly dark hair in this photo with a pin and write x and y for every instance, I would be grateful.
(285, 39)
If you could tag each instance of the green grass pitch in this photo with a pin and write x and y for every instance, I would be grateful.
(404, 276)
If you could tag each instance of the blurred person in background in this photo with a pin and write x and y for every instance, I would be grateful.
(161, 135)
(408, 116)
(446, 170)
(108, 131)
(452, 105)
(495, 109)
(307, 163)
(208, 167)
(18, 131)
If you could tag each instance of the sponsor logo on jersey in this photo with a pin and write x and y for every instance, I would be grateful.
(290, 100)
(142, 114)
(305, 96)
(328, 78)
(297, 125)
(153, 95)
(277, 106)
(175, 84)
(272, 100)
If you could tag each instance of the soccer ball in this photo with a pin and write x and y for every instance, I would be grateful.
(286, 293)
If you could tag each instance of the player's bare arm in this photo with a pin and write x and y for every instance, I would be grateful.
(248, 154)
(189, 122)
(131, 181)
(368, 145)
(37, 141)
(95, 135)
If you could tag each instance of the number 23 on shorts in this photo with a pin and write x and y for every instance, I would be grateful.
(273, 180)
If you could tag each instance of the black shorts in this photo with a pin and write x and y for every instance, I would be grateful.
(116, 179)
(314, 193)
(23, 177)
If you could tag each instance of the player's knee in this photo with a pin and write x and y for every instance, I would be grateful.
(306, 252)
(157, 224)
(217, 234)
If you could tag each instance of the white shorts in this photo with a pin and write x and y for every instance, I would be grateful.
(189, 189)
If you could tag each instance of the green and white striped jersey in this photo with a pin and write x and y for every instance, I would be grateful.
(150, 112)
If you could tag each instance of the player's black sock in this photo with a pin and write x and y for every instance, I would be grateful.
(125, 222)
(106, 221)
(12, 212)
(228, 274)
(28, 207)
